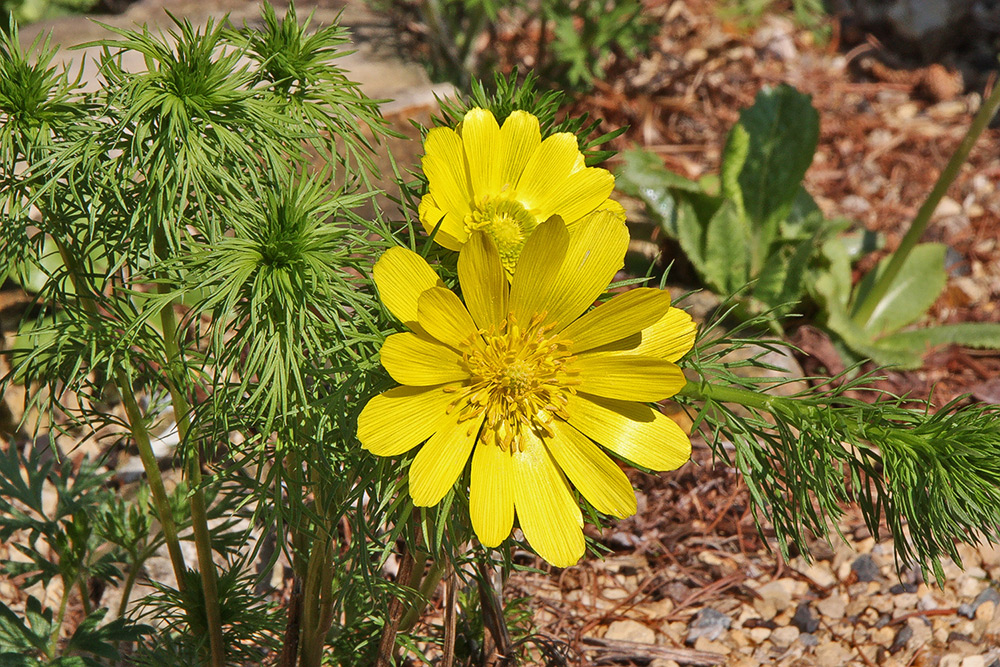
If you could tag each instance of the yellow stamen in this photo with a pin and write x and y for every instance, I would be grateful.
(507, 222)
(521, 378)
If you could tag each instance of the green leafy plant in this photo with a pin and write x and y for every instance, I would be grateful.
(576, 38)
(60, 540)
(870, 318)
(754, 230)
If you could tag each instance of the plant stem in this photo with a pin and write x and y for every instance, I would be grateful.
(704, 391)
(199, 510)
(427, 587)
(137, 424)
(152, 468)
(387, 642)
(864, 310)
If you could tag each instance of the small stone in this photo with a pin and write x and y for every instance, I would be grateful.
(775, 596)
(950, 660)
(883, 635)
(928, 603)
(974, 661)
(708, 623)
(663, 662)
(832, 607)
(804, 619)
(901, 640)
(921, 630)
(832, 654)
(705, 644)
(905, 601)
(986, 611)
(630, 631)
(900, 589)
(865, 568)
(785, 636)
(807, 639)
(988, 595)
(821, 574)
(947, 207)
(760, 635)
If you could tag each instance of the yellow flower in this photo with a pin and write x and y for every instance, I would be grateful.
(522, 378)
(506, 181)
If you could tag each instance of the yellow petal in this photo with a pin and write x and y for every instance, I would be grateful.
(483, 280)
(546, 170)
(440, 461)
(636, 432)
(612, 206)
(546, 510)
(627, 377)
(580, 193)
(481, 139)
(564, 283)
(444, 165)
(451, 232)
(398, 420)
(401, 275)
(537, 268)
(443, 315)
(520, 137)
(621, 317)
(491, 493)
(670, 338)
(421, 362)
(590, 470)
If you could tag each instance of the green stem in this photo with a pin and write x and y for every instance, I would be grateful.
(57, 626)
(137, 424)
(878, 291)
(704, 391)
(427, 588)
(199, 509)
(81, 586)
(317, 607)
(152, 468)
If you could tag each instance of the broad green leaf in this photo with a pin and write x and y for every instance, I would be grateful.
(782, 278)
(783, 128)
(979, 335)
(726, 263)
(734, 157)
(643, 174)
(911, 294)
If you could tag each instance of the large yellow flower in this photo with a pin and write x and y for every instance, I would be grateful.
(506, 181)
(526, 381)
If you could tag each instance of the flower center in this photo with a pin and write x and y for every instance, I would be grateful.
(521, 378)
(507, 222)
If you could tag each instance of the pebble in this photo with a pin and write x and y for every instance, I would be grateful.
(927, 603)
(785, 636)
(705, 644)
(832, 654)
(973, 661)
(865, 568)
(709, 623)
(804, 619)
(630, 631)
(760, 635)
(832, 607)
(902, 638)
(807, 639)
(968, 609)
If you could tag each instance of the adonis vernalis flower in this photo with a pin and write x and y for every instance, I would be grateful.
(506, 181)
(525, 380)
